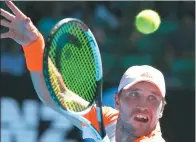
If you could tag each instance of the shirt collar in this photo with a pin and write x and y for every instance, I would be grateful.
(151, 134)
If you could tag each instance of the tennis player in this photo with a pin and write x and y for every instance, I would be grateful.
(139, 102)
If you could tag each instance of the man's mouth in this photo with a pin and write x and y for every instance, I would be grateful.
(141, 118)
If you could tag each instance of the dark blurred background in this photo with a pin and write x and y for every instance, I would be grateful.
(171, 49)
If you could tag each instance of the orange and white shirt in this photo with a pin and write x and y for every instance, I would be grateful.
(110, 116)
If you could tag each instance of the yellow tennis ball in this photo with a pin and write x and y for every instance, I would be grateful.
(147, 21)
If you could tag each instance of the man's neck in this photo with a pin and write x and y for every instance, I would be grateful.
(123, 134)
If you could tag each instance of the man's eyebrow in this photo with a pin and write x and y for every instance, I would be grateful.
(155, 93)
(135, 89)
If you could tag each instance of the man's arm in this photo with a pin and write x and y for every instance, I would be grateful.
(22, 30)
(43, 93)
(41, 88)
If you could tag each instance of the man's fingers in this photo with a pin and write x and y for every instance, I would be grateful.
(5, 23)
(7, 15)
(14, 9)
(6, 35)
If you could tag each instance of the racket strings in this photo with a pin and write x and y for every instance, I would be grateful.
(65, 102)
(78, 70)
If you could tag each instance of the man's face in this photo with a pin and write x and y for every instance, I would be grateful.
(140, 106)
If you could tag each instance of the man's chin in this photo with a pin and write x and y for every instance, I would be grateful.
(142, 131)
(140, 127)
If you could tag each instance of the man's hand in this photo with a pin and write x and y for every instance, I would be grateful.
(21, 29)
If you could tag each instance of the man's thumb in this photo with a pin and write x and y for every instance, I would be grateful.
(31, 29)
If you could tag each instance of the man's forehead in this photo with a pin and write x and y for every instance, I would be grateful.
(144, 86)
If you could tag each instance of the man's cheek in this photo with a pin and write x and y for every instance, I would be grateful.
(124, 107)
(125, 110)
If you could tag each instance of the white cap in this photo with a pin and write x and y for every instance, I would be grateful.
(147, 73)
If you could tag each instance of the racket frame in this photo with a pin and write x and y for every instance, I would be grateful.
(100, 136)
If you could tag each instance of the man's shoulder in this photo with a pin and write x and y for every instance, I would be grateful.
(109, 114)
(108, 109)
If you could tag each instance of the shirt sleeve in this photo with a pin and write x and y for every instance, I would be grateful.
(109, 115)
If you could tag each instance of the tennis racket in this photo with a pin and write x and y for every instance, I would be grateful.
(72, 51)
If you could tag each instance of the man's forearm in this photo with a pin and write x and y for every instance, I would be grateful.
(66, 95)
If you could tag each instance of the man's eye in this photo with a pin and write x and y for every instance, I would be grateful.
(134, 94)
(151, 97)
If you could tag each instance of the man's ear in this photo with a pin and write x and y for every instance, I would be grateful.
(117, 101)
(160, 115)
(162, 109)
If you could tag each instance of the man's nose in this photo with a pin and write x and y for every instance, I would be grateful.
(143, 109)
